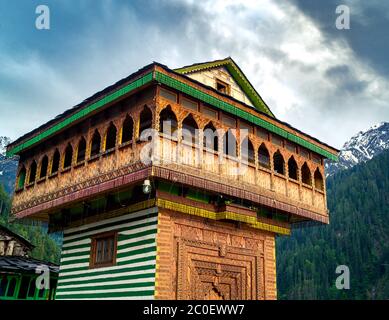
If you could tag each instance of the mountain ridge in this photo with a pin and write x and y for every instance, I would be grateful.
(357, 236)
(360, 148)
(8, 167)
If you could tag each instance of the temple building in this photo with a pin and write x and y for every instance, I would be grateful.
(171, 184)
(18, 271)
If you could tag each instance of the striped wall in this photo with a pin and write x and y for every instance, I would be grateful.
(133, 276)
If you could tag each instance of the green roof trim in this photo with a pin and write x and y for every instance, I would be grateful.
(224, 106)
(82, 113)
(180, 86)
(238, 76)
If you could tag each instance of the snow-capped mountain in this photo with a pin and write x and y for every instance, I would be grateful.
(8, 167)
(362, 147)
(4, 141)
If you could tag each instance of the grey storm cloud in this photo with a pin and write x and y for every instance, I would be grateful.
(311, 80)
(345, 79)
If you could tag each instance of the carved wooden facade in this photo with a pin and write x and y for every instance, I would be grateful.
(221, 250)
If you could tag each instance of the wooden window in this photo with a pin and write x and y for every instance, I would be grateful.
(128, 129)
(211, 139)
(81, 150)
(222, 86)
(229, 144)
(292, 168)
(55, 164)
(229, 121)
(209, 112)
(110, 139)
(190, 130)
(146, 120)
(277, 140)
(22, 177)
(44, 165)
(263, 134)
(33, 168)
(306, 174)
(279, 163)
(319, 183)
(168, 95)
(103, 250)
(316, 158)
(291, 147)
(68, 156)
(263, 157)
(304, 152)
(245, 126)
(189, 104)
(95, 146)
(247, 151)
(168, 124)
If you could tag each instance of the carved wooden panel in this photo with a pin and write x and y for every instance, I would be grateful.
(201, 259)
(211, 271)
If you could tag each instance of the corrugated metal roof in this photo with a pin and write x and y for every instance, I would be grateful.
(24, 264)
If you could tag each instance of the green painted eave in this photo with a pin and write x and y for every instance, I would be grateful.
(177, 85)
(83, 113)
(237, 75)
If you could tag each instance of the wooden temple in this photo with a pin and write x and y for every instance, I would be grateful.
(19, 272)
(171, 184)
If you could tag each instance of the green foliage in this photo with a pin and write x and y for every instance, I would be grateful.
(46, 248)
(358, 236)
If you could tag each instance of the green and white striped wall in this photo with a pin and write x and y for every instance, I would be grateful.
(133, 276)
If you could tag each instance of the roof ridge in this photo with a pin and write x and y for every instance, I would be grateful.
(238, 75)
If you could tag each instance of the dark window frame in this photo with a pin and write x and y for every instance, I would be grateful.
(81, 150)
(33, 172)
(209, 112)
(168, 95)
(262, 134)
(229, 121)
(55, 162)
(127, 135)
(189, 104)
(94, 246)
(225, 85)
(44, 167)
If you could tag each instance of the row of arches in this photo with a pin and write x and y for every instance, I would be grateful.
(168, 125)
(80, 153)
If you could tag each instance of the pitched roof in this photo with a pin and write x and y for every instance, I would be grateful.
(25, 265)
(237, 75)
(12, 234)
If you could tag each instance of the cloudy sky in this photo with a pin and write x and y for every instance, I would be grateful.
(327, 82)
